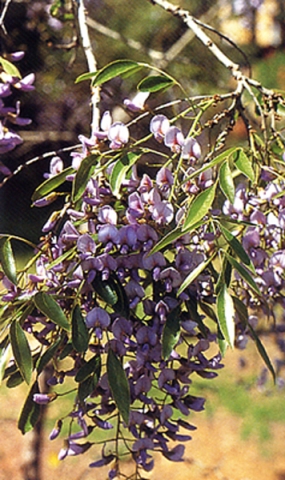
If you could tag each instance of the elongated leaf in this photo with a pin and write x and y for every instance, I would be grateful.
(237, 248)
(171, 332)
(167, 240)
(48, 355)
(21, 351)
(244, 274)
(51, 184)
(241, 310)
(4, 351)
(120, 170)
(199, 207)
(225, 313)
(244, 165)
(83, 174)
(93, 366)
(243, 316)
(262, 352)
(10, 68)
(192, 307)
(112, 70)
(154, 83)
(50, 308)
(7, 260)
(119, 385)
(80, 336)
(225, 275)
(113, 293)
(30, 411)
(220, 158)
(194, 274)
(14, 380)
(226, 181)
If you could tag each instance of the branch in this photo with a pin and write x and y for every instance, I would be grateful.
(3, 14)
(92, 65)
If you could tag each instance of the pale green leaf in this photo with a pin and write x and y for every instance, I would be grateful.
(226, 181)
(194, 274)
(7, 260)
(237, 248)
(114, 69)
(83, 174)
(199, 207)
(51, 184)
(225, 314)
(120, 170)
(244, 165)
(50, 308)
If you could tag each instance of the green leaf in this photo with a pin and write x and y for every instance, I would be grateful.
(119, 385)
(244, 165)
(262, 352)
(30, 411)
(120, 170)
(241, 310)
(194, 274)
(242, 313)
(154, 83)
(4, 351)
(244, 274)
(48, 355)
(10, 68)
(51, 184)
(113, 293)
(199, 207)
(226, 154)
(14, 380)
(21, 350)
(50, 308)
(225, 313)
(83, 174)
(92, 367)
(226, 181)
(171, 332)
(167, 240)
(7, 260)
(113, 69)
(237, 248)
(79, 332)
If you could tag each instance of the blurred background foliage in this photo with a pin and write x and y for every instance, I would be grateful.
(137, 30)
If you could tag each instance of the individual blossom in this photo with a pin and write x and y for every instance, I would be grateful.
(158, 126)
(137, 103)
(174, 139)
(98, 319)
(164, 180)
(55, 167)
(191, 150)
(163, 212)
(118, 134)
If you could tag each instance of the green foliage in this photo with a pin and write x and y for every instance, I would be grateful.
(119, 385)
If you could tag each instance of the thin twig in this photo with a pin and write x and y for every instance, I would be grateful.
(3, 14)
(92, 65)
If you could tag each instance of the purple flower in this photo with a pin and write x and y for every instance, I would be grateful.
(118, 134)
(98, 318)
(137, 103)
(176, 454)
(158, 126)
(191, 149)
(163, 212)
(44, 398)
(174, 139)
(55, 167)
(26, 83)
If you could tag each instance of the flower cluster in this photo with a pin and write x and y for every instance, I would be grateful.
(101, 260)
(11, 78)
